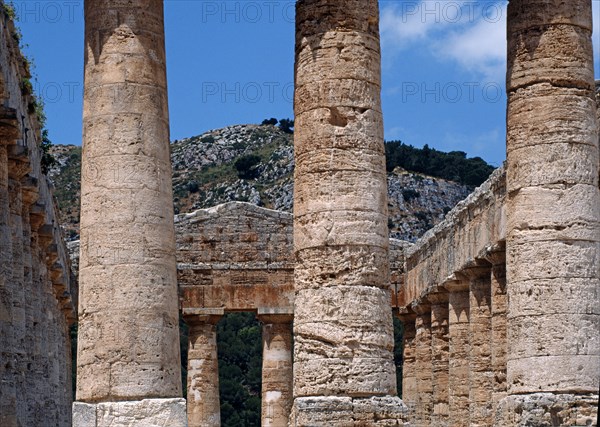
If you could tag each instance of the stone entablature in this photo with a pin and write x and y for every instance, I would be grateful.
(38, 296)
(472, 229)
(235, 257)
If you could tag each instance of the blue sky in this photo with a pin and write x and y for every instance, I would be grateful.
(231, 62)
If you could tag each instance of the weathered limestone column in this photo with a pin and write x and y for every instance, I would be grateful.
(439, 357)
(203, 404)
(458, 354)
(553, 212)
(409, 359)
(480, 354)
(277, 375)
(8, 404)
(423, 364)
(343, 364)
(499, 304)
(128, 345)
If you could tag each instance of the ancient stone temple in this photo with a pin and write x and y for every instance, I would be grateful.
(499, 302)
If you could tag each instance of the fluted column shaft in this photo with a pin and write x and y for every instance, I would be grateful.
(480, 353)
(439, 357)
(459, 349)
(409, 359)
(343, 320)
(423, 364)
(128, 342)
(499, 344)
(553, 207)
(277, 374)
(203, 404)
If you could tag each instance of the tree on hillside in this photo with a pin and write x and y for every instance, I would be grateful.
(286, 125)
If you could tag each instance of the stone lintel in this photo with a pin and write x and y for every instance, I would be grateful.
(142, 413)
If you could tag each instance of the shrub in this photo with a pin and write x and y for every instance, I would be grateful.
(410, 194)
(272, 121)
(246, 166)
(286, 125)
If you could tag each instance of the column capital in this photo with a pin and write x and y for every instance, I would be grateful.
(421, 306)
(474, 272)
(439, 297)
(406, 315)
(495, 254)
(456, 284)
(275, 315)
(202, 316)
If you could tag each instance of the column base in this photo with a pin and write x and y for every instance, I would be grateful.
(547, 409)
(142, 413)
(326, 411)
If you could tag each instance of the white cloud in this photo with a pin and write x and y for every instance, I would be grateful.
(469, 33)
(479, 48)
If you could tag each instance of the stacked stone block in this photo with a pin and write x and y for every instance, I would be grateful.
(36, 307)
(553, 210)
(343, 335)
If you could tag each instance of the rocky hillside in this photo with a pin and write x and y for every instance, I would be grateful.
(254, 163)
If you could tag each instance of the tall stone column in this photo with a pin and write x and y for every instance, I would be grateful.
(423, 364)
(128, 363)
(458, 354)
(439, 357)
(480, 353)
(409, 359)
(553, 213)
(203, 403)
(277, 375)
(343, 328)
(8, 389)
(499, 305)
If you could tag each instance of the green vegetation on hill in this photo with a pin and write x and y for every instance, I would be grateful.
(452, 166)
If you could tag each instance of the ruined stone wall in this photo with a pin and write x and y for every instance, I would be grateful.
(36, 291)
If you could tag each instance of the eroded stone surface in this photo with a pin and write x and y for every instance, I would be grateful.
(144, 413)
(546, 409)
(38, 297)
(343, 326)
(128, 345)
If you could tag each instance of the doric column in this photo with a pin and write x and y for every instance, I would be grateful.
(277, 375)
(458, 354)
(480, 335)
(439, 357)
(409, 360)
(553, 213)
(128, 343)
(8, 402)
(343, 326)
(499, 344)
(423, 363)
(203, 404)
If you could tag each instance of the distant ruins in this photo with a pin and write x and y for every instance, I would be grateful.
(500, 302)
